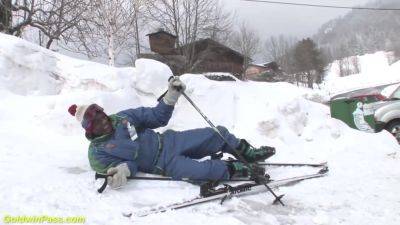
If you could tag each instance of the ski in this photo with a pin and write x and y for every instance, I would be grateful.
(322, 164)
(227, 192)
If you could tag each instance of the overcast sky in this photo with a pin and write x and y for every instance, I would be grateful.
(298, 21)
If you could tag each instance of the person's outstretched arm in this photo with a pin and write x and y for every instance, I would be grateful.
(158, 116)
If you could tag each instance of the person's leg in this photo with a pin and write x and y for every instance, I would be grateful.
(184, 167)
(202, 142)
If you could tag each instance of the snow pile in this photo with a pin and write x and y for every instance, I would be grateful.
(28, 69)
(151, 73)
(44, 162)
(375, 70)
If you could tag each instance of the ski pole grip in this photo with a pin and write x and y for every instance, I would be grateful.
(162, 96)
(104, 185)
(177, 88)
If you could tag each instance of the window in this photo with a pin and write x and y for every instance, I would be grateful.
(396, 94)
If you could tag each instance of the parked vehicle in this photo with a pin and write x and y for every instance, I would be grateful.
(387, 112)
(372, 94)
(375, 97)
(370, 109)
(353, 107)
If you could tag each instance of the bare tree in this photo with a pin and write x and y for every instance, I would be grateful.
(16, 15)
(5, 15)
(355, 62)
(140, 25)
(56, 17)
(280, 50)
(220, 28)
(275, 48)
(189, 21)
(137, 10)
(347, 64)
(106, 29)
(53, 18)
(247, 42)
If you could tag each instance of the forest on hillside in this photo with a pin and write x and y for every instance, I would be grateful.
(362, 31)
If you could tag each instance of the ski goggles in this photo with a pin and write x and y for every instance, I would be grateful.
(90, 116)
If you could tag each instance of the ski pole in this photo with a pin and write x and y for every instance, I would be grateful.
(241, 158)
(104, 185)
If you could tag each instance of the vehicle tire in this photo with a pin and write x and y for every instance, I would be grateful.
(394, 128)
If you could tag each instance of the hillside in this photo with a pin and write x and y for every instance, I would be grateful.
(362, 31)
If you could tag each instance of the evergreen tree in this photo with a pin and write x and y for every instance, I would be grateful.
(309, 62)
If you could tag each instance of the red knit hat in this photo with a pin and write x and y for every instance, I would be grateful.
(78, 111)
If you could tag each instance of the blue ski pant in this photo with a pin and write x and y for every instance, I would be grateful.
(181, 151)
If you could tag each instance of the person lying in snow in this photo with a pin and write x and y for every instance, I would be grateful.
(124, 143)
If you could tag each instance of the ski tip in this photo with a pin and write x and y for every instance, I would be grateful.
(127, 214)
(324, 170)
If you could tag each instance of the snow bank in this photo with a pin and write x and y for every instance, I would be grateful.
(152, 76)
(44, 162)
(28, 69)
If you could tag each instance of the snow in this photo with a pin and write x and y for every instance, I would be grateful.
(151, 73)
(375, 70)
(44, 163)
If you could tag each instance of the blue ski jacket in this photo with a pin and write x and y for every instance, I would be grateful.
(132, 134)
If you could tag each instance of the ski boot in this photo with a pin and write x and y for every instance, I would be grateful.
(251, 154)
(240, 170)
